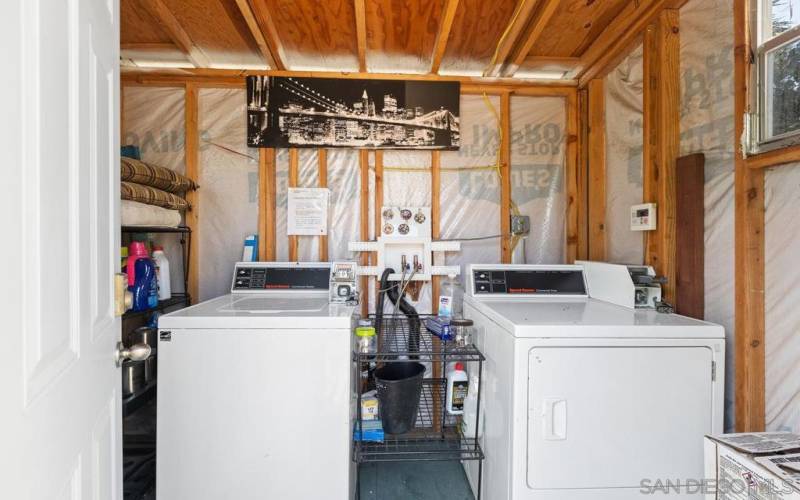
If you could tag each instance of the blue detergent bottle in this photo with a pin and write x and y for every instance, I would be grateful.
(145, 286)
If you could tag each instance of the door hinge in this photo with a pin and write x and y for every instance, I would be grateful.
(713, 371)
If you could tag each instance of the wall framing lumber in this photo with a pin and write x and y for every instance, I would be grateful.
(170, 24)
(192, 159)
(575, 180)
(361, 33)
(505, 178)
(662, 141)
(690, 231)
(583, 170)
(255, 31)
(363, 157)
(443, 35)
(293, 182)
(775, 158)
(322, 165)
(436, 216)
(267, 188)
(378, 203)
(596, 117)
(212, 77)
(749, 247)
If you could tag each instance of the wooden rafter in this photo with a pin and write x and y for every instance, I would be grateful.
(532, 33)
(255, 31)
(169, 23)
(511, 35)
(269, 32)
(443, 35)
(619, 37)
(361, 33)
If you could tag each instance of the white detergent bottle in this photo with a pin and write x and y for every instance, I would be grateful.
(162, 271)
(457, 389)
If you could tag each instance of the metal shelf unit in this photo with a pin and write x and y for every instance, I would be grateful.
(437, 435)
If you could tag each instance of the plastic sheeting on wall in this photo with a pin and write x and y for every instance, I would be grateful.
(228, 196)
(470, 191)
(782, 282)
(707, 127)
(624, 139)
(154, 121)
(537, 176)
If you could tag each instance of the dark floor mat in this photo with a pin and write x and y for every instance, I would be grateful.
(414, 481)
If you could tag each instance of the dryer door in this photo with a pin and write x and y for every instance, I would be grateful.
(610, 417)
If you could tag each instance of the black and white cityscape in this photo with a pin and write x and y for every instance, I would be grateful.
(374, 114)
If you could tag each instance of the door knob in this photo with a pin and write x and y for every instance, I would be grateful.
(136, 352)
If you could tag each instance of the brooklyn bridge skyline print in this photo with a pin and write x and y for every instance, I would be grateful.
(352, 113)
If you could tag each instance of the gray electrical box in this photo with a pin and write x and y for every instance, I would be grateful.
(520, 225)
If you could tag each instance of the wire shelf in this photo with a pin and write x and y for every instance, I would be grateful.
(416, 449)
(400, 337)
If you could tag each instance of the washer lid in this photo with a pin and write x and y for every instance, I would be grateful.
(290, 311)
(588, 318)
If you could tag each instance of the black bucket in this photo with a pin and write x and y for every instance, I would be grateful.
(399, 385)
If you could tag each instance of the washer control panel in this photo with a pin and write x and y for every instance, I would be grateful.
(253, 277)
(528, 282)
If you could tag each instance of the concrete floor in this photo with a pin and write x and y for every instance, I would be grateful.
(414, 481)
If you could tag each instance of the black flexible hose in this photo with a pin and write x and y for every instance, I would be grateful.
(411, 313)
(384, 286)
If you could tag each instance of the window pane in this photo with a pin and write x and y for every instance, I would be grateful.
(784, 69)
(785, 15)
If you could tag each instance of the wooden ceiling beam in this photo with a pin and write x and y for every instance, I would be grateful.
(533, 31)
(169, 23)
(361, 33)
(443, 34)
(212, 73)
(511, 35)
(255, 31)
(619, 37)
(268, 31)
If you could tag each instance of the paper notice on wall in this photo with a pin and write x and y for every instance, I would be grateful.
(307, 211)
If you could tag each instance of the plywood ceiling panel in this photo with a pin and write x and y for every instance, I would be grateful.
(575, 25)
(315, 35)
(477, 28)
(219, 30)
(401, 34)
(138, 26)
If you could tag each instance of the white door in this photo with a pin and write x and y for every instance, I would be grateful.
(59, 178)
(609, 417)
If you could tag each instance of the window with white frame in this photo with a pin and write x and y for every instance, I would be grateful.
(778, 73)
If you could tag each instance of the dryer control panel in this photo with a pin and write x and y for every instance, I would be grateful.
(537, 281)
(252, 277)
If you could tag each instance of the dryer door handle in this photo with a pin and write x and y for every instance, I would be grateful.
(555, 419)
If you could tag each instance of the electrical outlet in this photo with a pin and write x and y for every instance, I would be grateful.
(520, 225)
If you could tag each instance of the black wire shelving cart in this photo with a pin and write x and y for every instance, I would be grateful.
(437, 435)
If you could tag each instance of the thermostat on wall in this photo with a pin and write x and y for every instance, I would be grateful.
(643, 217)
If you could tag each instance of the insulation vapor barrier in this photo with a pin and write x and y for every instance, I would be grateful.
(228, 188)
(782, 282)
(706, 127)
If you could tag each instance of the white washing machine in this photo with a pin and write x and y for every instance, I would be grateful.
(254, 388)
(586, 398)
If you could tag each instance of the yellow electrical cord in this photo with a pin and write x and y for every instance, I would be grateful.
(504, 36)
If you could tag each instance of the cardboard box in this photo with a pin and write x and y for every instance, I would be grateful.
(752, 466)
